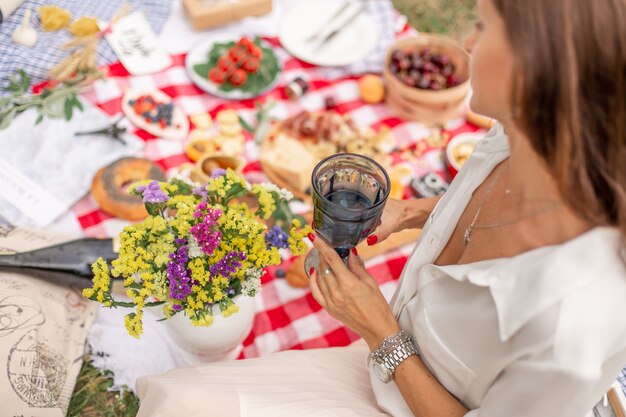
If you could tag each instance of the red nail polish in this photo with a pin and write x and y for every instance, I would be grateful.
(355, 252)
(372, 240)
(311, 271)
(311, 237)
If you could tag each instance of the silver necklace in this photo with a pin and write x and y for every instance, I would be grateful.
(467, 235)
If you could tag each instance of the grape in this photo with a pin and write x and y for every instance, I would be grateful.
(415, 75)
(406, 78)
(435, 85)
(424, 69)
(404, 64)
(430, 67)
(397, 55)
(424, 83)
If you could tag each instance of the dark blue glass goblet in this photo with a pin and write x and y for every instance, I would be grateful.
(349, 192)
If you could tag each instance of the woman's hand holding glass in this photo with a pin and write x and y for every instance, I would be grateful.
(351, 295)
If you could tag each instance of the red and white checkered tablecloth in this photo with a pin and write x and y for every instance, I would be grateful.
(287, 318)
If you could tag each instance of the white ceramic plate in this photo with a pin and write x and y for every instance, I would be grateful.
(180, 124)
(350, 45)
(199, 54)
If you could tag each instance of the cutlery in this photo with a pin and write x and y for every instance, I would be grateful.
(73, 257)
(335, 15)
(341, 27)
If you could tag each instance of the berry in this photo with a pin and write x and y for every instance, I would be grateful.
(397, 55)
(330, 103)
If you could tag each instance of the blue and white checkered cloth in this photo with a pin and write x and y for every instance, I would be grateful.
(621, 378)
(36, 61)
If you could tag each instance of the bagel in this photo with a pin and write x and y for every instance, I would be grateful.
(110, 184)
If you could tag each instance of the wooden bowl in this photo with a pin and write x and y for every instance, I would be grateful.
(208, 163)
(422, 104)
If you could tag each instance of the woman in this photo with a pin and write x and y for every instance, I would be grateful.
(512, 303)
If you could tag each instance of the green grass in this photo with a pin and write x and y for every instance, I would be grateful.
(454, 18)
(91, 397)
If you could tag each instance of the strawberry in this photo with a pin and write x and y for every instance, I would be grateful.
(142, 107)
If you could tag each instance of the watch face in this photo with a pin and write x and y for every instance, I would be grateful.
(381, 372)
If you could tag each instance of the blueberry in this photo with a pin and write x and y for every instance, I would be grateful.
(280, 273)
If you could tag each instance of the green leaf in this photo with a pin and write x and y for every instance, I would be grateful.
(13, 87)
(45, 93)
(76, 102)
(154, 209)
(25, 80)
(6, 118)
(68, 107)
(183, 187)
(39, 119)
(245, 125)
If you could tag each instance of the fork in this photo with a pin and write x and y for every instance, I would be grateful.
(330, 20)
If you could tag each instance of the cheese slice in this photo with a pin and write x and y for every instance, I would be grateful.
(290, 160)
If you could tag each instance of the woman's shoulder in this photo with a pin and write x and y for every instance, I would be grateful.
(584, 275)
(587, 277)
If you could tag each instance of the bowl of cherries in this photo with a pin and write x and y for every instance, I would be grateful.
(427, 77)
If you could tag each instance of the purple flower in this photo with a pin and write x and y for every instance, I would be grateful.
(228, 264)
(177, 307)
(152, 193)
(218, 172)
(201, 191)
(207, 231)
(178, 274)
(276, 238)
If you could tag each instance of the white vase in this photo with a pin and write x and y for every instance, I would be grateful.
(220, 341)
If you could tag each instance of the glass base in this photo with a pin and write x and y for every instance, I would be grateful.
(312, 260)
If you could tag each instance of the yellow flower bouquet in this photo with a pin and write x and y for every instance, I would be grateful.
(199, 247)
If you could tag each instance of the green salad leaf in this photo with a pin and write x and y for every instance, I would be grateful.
(256, 82)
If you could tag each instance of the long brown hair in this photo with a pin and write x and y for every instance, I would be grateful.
(571, 97)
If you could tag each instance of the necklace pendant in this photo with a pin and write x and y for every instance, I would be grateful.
(467, 235)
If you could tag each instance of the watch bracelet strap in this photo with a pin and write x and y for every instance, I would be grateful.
(394, 349)
(394, 358)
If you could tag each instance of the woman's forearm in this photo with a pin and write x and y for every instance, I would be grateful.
(416, 212)
(424, 395)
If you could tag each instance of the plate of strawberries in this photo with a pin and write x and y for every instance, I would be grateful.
(233, 68)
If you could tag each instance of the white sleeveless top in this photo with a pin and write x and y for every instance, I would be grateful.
(540, 334)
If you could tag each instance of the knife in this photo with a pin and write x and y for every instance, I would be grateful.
(328, 22)
(341, 27)
(74, 257)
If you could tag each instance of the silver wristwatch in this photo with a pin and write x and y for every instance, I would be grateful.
(391, 352)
